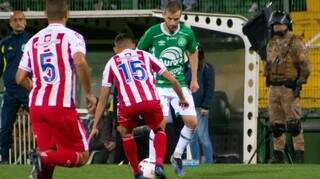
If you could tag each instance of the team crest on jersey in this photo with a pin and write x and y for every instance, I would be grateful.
(182, 42)
(161, 43)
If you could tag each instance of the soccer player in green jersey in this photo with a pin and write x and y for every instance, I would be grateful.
(170, 42)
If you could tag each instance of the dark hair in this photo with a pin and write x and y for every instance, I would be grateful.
(173, 6)
(122, 37)
(56, 9)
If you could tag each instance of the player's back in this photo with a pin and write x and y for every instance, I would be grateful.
(49, 55)
(133, 72)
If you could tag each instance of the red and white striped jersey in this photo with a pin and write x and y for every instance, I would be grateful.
(133, 71)
(48, 56)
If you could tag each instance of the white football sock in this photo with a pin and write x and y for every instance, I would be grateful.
(184, 139)
(152, 151)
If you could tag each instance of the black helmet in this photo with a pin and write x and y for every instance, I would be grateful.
(280, 17)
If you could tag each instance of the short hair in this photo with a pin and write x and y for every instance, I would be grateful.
(122, 37)
(173, 6)
(56, 9)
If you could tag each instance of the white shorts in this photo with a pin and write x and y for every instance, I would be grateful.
(168, 96)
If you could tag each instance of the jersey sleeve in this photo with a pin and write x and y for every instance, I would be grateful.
(108, 75)
(146, 41)
(192, 45)
(25, 62)
(77, 43)
(156, 65)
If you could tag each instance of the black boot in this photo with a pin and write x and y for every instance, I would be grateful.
(298, 156)
(278, 157)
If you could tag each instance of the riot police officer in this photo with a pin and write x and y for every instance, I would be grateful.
(286, 69)
(11, 49)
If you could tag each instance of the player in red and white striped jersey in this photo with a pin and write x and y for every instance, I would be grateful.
(132, 71)
(137, 86)
(53, 57)
(49, 56)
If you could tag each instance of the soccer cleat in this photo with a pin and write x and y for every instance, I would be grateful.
(159, 172)
(36, 163)
(139, 176)
(177, 166)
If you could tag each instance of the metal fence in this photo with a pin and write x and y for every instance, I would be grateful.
(244, 7)
(23, 140)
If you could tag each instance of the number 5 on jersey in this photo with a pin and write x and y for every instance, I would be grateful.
(47, 67)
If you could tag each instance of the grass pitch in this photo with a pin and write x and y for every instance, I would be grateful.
(215, 171)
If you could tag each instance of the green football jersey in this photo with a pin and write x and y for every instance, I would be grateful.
(170, 49)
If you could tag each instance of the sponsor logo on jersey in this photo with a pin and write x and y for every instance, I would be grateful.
(172, 56)
(171, 38)
(161, 43)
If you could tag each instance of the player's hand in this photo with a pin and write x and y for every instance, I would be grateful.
(183, 103)
(194, 86)
(94, 132)
(91, 103)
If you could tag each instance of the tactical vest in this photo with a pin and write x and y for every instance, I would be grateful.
(283, 64)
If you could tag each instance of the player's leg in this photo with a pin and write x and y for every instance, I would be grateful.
(127, 122)
(45, 143)
(189, 118)
(165, 106)
(153, 116)
(195, 143)
(69, 136)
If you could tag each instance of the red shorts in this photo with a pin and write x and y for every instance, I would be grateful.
(57, 127)
(150, 111)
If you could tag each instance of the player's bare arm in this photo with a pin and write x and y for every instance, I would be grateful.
(193, 57)
(104, 95)
(176, 87)
(23, 80)
(83, 72)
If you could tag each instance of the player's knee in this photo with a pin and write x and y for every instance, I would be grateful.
(294, 127)
(278, 129)
(191, 123)
(83, 158)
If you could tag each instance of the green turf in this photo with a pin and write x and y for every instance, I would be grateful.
(203, 172)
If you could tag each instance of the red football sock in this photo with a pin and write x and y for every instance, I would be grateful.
(130, 149)
(63, 158)
(160, 144)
